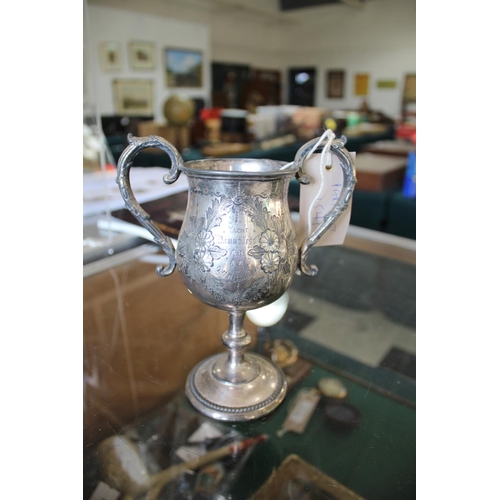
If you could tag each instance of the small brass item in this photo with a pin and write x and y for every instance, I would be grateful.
(332, 388)
(284, 353)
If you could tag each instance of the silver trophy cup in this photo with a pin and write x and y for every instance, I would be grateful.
(236, 251)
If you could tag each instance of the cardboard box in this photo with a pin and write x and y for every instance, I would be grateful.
(180, 137)
(377, 173)
(145, 129)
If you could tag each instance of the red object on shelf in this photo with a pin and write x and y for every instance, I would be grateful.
(210, 113)
(406, 131)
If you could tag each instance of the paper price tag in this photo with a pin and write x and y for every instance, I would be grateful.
(319, 197)
(104, 492)
(205, 431)
(301, 412)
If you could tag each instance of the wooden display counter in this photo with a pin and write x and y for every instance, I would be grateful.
(377, 173)
(142, 334)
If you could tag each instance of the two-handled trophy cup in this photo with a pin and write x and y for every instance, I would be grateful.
(236, 251)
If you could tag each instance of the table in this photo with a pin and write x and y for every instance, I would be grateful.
(397, 147)
(355, 143)
(143, 334)
(379, 172)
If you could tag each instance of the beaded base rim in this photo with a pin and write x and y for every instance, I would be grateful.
(227, 409)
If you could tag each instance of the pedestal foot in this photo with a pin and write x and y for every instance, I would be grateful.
(236, 401)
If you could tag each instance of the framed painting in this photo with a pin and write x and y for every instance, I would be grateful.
(387, 84)
(361, 84)
(110, 55)
(142, 55)
(184, 68)
(133, 97)
(410, 88)
(335, 84)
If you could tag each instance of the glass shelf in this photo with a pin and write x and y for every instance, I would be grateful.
(354, 321)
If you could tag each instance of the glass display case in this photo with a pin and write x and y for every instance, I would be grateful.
(346, 343)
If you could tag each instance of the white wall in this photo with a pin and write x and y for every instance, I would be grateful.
(256, 44)
(247, 36)
(379, 39)
(116, 25)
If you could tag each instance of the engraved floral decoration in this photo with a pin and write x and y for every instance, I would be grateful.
(197, 247)
(269, 262)
(205, 251)
(269, 241)
(273, 246)
(276, 248)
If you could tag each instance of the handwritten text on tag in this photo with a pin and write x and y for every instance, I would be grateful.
(319, 197)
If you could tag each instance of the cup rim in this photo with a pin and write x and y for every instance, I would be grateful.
(238, 167)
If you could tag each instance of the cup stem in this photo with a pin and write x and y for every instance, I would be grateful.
(237, 336)
(235, 368)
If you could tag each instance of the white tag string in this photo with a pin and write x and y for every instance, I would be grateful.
(316, 203)
(329, 134)
(324, 161)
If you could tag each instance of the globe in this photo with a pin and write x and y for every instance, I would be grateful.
(178, 110)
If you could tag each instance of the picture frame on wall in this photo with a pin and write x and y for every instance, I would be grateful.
(110, 55)
(133, 97)
(335, 84)
(410, 88)
(387, 84)
(142, 55)
(361, 81)
(183, 68)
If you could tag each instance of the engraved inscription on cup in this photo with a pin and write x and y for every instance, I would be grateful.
(237, 247)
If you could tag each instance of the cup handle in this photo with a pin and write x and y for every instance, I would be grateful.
(331, 217)
(136, 145)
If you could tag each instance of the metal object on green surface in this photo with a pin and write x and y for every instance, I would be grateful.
(332, 388)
